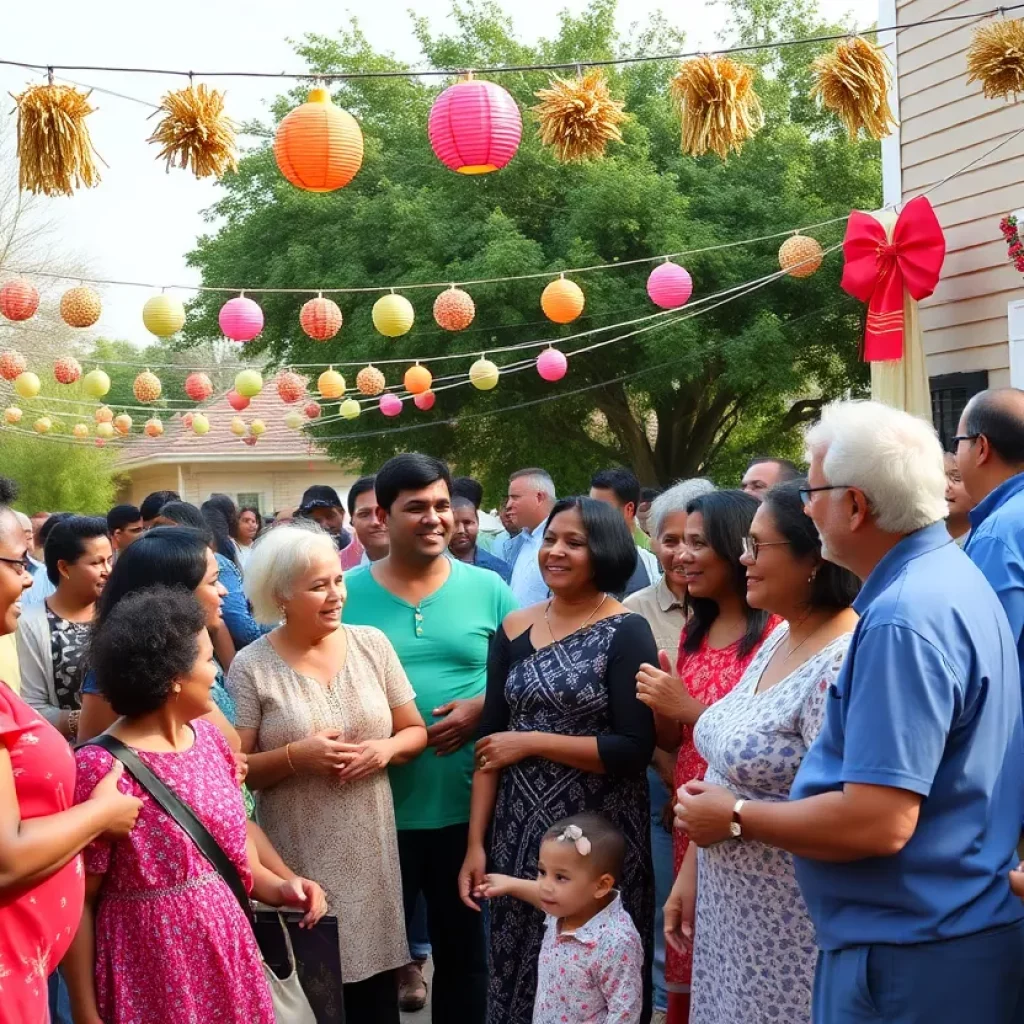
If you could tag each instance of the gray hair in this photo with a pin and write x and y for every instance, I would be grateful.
(675, 499)
(539, 479)
(23, 520)
(893, 457)
(278, 559)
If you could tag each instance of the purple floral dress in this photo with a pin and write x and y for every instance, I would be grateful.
(172, 943)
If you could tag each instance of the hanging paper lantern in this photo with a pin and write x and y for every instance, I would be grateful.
(100, 443)
(198, 387)
(238, 427)
(80, 430)
(96, 384)
(250, 441)
(104, 414)
(454, 310)
(257, 428)
(163, 315)
(104, 431)
(483, 375)
(800, 256)
(312, 410)
(318, 146)
(390, 405)
(425, 401)
(290, 386)
(552, 364)
(562, 301)
(186, 420)
(80, 307)
(331, 384)
(370, 381)
(147, 387)
(293, 419)
(12, 414)
(200, 424)
(475, 127)
(66, 370)
(42, 425)
(320, 318)
(12, 364)
(248, 383)
(153, 427)
(418, 379)
(670, 286)
(240, 319)
(123, 423)
(349, 409)
(238, 402)
(18, 300)
(393, 315)
(27, 384)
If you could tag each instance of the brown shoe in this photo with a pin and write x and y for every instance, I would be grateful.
(412, 987)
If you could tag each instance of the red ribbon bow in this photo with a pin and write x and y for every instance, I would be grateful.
(877, 271)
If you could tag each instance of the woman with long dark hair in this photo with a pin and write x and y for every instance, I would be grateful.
(248, 529)
(721, 637)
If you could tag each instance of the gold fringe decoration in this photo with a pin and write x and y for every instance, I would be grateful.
(579, 118)
(195, 133)
(719, 108)
(55, 152)
(996, 58)
(853, 82)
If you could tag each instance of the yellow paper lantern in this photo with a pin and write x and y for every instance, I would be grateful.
(200, 424)
(418, 379)
(80, 307)
(163, 315)
(80, 430)
(562, 301)
(238, 427)
(27, 384)
(318, 146)
(393, 315)
(257, 428)
(800, 256)
(96, 383)
(349, 409)
(42, 425)
(483, 375)
(294, 419)
(248, 383)
(12, 414)
(331, 384)
(105, 430)
(123, 423)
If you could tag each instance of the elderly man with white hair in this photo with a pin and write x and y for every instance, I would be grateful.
(905, 813)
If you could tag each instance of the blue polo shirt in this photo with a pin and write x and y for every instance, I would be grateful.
(928, 700)
(996, 547)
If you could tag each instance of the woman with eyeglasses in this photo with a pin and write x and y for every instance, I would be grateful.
(721, 637)
(737, 904)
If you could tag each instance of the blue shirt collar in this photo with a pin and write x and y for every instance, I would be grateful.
(996, 499)
(930, 538)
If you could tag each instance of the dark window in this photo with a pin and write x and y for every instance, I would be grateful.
(950, 393)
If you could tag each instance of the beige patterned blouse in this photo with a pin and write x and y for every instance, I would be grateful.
(342, 836)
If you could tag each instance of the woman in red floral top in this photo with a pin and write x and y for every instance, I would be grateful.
(41, 833)
(720, 639)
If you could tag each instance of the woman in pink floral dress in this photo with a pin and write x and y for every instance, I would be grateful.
(719, 641)
(162, 937)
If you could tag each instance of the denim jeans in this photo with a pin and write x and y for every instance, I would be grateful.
(60, 1001)
(416, 926)
(664, 876)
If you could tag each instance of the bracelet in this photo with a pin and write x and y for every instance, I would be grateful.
(73, 719)
(288, 755)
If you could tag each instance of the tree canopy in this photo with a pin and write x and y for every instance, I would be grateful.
(691, 397)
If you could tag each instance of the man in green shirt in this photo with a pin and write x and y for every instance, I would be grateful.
(440, 615)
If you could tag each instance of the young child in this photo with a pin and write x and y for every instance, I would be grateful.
(590, 969)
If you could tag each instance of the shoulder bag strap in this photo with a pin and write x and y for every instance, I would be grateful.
(180, 812)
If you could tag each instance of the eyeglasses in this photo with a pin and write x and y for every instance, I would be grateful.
(954, 442)
(751, 546)
(23, 563)
(806, 492)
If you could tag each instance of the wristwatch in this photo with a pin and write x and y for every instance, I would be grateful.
(736, 825)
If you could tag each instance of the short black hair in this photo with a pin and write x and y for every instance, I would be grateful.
(607, 843)
(621, 482)
(184, 513)
(834, 587)
(995, 416)
(121, 516)
(149, 639)
(47, 528)
(66, 541)
(361, 486)
(256, 512)
(648, 494)
(462, 501)
(612, 549)
(169, 556)
(8, 491)
(467, 487)
(787, 470)
(410, 472)
(727, 518)
(152, 503)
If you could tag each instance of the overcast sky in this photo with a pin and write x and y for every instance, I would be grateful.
(140, 222)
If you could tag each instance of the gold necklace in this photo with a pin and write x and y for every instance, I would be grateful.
(793, 650)
(547, 618)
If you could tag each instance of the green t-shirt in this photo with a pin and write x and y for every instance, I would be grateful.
(442, 645)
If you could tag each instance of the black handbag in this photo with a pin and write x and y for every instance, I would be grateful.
(313, 953)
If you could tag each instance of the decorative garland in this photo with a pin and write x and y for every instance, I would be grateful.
(1015, 247)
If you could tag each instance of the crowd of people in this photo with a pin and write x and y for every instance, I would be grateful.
(698, 754)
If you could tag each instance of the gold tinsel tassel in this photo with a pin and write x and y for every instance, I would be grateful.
(194, 132)
(55, 152)
(853, 82)
(579, 118)
(996, 58)
(718, 105)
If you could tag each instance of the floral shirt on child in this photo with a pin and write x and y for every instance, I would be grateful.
(593, 975)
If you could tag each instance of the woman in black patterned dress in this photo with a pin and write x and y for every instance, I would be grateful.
(562, 732)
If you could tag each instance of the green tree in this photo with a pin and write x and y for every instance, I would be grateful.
(670, 401)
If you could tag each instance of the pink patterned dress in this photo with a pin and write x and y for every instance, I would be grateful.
(172, 943)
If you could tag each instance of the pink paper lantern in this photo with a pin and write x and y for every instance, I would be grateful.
(236, 401)
(669, 286)
(390, 405)
(240, 319)
(475, 127)
(552, 364)
(425, 402)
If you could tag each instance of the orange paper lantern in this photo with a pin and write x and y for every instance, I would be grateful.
(454, 310)
(800, 256)
(418, 379)
(320, 318)
(318, 146)
(370, 381)
(18, 300)
(562, 301)
(80, 307)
